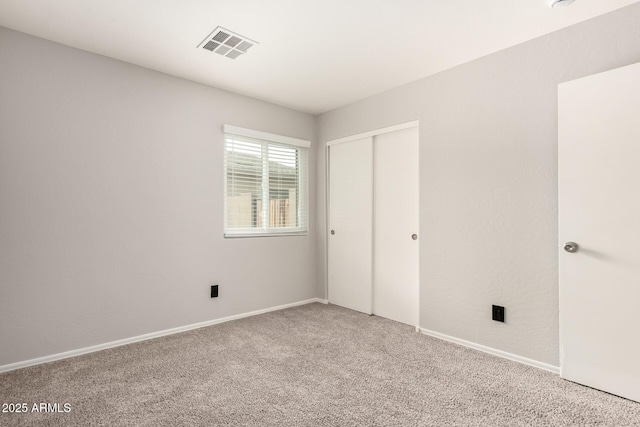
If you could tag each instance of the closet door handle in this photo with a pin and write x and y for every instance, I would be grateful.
(414, 236)
(333, 232)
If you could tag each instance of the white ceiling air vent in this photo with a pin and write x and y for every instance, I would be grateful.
(226, 43)
(559, 3)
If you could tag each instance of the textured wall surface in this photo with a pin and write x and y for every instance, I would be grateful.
(488, 180)
(111, 203)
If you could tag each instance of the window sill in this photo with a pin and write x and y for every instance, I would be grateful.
(245, 235)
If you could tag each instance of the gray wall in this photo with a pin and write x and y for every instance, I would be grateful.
(488, 180)
(111, 214)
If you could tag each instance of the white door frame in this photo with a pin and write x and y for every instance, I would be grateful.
(371, 133)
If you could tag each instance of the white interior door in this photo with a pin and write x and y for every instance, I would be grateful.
(350, 223)
(599, 209)
(395, 260)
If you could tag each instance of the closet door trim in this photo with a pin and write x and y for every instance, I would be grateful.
(372, 133)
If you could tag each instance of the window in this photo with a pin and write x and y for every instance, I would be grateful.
(265, 183)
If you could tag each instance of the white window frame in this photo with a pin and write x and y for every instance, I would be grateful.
(303, 180)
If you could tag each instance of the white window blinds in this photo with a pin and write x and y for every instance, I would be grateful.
(265, 183)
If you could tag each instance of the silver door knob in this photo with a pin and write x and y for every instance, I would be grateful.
(571, 247)
(333, 232)
(414, 236)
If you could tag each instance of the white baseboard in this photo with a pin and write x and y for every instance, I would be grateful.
(118, 343)
(495, 352)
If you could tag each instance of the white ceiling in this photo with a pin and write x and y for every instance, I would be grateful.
(313, 55)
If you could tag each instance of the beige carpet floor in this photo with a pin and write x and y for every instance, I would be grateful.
(313, 365)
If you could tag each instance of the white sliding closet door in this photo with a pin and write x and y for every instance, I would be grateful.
(395, 259)
(373, 223)
(350, 224)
